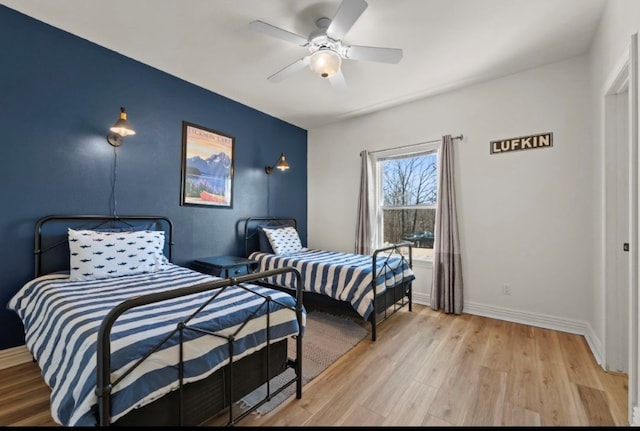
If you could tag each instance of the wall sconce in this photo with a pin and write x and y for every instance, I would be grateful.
(281, 164)
(120, 129)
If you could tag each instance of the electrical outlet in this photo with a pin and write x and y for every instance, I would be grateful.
(506, 289)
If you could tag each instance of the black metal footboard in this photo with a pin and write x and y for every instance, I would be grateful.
(105, 385)
(397, 296)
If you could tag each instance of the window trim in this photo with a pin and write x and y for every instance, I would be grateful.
(395, 153)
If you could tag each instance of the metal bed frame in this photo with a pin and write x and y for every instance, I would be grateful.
(226, 375)
(387, 303)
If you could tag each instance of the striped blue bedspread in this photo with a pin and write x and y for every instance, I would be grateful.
(342, 276)
(62, 318)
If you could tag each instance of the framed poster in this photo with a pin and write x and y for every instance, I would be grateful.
(207, 167)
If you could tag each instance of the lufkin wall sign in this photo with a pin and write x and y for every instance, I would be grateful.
(523, 143)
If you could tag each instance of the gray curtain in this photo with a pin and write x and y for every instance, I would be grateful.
(446, 287)
(364, 223)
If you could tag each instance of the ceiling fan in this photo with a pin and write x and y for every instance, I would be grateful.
(326, 50)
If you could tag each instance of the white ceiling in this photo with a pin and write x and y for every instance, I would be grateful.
(446, 44)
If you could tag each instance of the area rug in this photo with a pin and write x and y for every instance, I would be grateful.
(326, 338)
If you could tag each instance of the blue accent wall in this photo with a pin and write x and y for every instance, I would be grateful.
(59, 94)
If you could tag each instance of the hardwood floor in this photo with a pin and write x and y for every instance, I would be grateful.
(427, 368)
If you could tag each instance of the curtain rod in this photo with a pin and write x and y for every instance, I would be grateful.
(413, 145)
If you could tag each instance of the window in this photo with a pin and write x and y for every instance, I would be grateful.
(406, 193)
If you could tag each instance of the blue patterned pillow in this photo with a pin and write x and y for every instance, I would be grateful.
(283, 240)
(95, 255)
(265, 245)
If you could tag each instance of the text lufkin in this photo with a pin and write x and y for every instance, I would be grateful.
(523, 143)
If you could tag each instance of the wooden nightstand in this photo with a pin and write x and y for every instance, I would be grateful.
(225, 266)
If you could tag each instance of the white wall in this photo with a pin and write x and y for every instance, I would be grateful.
(526, 218)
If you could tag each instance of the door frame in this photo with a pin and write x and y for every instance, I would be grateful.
(634, 189)
(624, 76)
(616, 222)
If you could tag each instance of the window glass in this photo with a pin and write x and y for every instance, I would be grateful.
(408, 190)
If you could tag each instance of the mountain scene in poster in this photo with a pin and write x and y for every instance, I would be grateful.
(208, 179)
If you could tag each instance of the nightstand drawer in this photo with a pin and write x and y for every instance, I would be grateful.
(225, 266)
(235, 271)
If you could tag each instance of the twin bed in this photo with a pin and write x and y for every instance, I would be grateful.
(372, 287)
(125, 337)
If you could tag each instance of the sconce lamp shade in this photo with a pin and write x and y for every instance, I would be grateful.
(120, 129)
(325, 62)
(281, 164)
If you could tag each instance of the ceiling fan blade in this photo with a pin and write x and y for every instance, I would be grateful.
(371, 53)
(348, 13)
(277, 32)
(290, 69)
(337, 81)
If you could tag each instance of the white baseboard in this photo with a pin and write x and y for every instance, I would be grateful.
(528, 318)
(636, 416)
(420, 298)
(14, 356)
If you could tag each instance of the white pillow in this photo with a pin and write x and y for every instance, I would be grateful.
(283, 240)
(96, 255)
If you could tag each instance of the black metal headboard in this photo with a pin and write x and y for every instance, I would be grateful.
(51, 236)
(251, 234)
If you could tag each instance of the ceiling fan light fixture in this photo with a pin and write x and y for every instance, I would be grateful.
(325, 62)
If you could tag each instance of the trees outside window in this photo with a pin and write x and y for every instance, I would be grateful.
(407, 193)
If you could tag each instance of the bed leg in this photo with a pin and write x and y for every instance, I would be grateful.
(299, 366)
(373, 325)
(410, 295)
